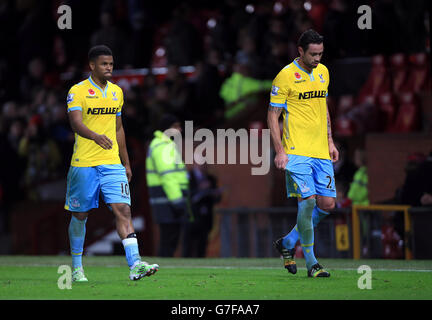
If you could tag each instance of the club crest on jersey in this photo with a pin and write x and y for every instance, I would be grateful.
(114, 96)
(91, 92)
(69, 98)
(304, 188)
(274, 91)
(297, 75)
(74, 203)
(322, 78)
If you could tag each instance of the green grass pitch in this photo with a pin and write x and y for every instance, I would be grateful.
(36, 277)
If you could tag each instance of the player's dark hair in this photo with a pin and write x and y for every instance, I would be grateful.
(308, 37)
(97, 51)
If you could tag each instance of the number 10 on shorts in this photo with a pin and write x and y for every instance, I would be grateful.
(125, 189)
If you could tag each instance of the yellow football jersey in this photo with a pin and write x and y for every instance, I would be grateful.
(99, 111)
(303, 97)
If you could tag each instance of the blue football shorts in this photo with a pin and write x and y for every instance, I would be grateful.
(307, 176)
(85, 184)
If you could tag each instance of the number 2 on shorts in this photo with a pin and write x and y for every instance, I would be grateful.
(329, 185)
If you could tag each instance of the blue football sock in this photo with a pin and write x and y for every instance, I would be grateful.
(290, 240)
(317, 215)
(306, 230)
(77, 232)
(131, 249)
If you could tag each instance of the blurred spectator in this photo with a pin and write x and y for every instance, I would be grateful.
(342, 200)
(168, 185)
(342, 37)
(248, 53)
(113, 37)
(183, 43)
(417, 187)
(344, 168)
(10, 58)
(409, 19)
(426, 199)
(364, 116)
(222, 37)
(42, 156)
(142, 23)
(9, 111)
(297, 20)
(11, 173)
(405, 33)
(33, 79)
(205, 88)
(15, 133)
(281, 53)
(334, 23)
(179, 90)
(358, 194)
(134, 114)
(35, 32)
(239, 86)
(358, 191)
(159, 104)
(61, 133)
(204, 196)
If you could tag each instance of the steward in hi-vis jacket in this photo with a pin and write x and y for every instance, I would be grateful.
(168, 186)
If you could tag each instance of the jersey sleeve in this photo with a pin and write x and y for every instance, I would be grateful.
(327, 74)
(121, 103)
(74, 100)
(279, 91)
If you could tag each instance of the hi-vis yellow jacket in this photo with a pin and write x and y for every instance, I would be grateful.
(167, 181)
(358, 191)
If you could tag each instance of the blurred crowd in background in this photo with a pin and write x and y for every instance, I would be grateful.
(222, 40)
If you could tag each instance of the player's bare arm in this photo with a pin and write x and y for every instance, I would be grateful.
(121, 140)
(76, 122)
(334, 153)
(273, 114)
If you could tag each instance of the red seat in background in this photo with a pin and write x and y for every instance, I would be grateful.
(398, 70)
(344, 104)
(408, 115)
(344, 126)
(419, 76)
(378, 80)
(386, 110)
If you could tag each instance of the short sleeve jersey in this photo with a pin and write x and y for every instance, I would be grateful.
(302, 95)
(99, 111)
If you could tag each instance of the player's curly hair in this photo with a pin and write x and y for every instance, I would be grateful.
(97, 51)
(308, 37)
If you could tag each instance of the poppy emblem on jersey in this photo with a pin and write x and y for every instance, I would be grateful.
(114, 96)
(297, 75)
(91, 92)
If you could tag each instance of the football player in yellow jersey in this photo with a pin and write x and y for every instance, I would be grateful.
(306, 149)
(100, 162)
